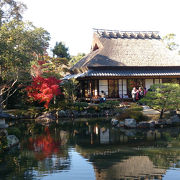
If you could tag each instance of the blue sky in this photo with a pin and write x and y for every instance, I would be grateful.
(71, 21)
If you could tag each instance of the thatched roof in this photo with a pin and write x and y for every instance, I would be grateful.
(125, 48)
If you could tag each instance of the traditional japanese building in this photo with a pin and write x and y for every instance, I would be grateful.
(121, 60)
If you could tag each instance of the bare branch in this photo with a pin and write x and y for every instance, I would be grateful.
(9, 95)
(9, 87)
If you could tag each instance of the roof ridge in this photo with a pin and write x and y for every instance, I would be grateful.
(105, 33)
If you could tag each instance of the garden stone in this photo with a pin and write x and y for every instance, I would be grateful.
(68, 113)
(84, 113)
(145, 107)
(130, 123)
(71, 114)
(46, 118)
(130, 133)
(114, 122)
(160, 123)
(172, 113)
(62, 113)
(89, 115)
(175, 119)
(121, 123)
(3, 132)
(12, 140)
(143, 124)
(75, 113)
(168, 121)
(107, 113)
(152, 124)
(3, 124)
(5, 115)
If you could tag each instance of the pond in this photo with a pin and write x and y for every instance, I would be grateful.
(84, 150)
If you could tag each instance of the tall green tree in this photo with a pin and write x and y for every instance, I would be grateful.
(19, 42)
(70, 90)
(61, 51)
(75, 59)
(47, 66)
(163, 97)
(11, 9)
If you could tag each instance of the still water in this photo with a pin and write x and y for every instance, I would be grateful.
(82, 151)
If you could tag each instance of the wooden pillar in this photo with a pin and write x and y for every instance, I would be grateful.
(98, 87)
(90, 88)
(122, 88)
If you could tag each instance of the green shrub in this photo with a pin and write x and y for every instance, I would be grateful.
(113, 103)
(104, 106)
(123, 115)
(129, 113)
(138, 116)
(80, 106)
(108, 105)
(93, 109)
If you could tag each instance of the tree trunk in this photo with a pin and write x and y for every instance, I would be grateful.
(161, 114)
(1, 100)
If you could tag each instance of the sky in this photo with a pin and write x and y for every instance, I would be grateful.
(72, 21)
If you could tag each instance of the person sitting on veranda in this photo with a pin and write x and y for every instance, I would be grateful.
(102, 97)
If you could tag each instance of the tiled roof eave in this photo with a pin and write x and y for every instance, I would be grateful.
(133, 74)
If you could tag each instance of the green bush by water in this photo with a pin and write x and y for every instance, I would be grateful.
(134, 112)
(108, 105)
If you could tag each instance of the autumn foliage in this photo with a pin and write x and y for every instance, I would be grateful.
(43, 89)
(44, 145)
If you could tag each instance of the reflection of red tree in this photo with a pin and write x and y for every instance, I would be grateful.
(44, 145)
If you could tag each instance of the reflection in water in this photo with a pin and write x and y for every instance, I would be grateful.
(92, 151)
(133, 167)
(79, 168)
(43, 145)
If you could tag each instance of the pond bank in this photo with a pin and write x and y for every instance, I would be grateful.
(128, 115)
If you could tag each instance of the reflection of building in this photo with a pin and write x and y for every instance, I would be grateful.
(133, 167)
(104, 136)
(119, 162)
(116, 160)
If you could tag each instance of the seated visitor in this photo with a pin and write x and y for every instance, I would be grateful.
(103, 97)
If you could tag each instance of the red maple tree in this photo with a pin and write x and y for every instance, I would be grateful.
(43, 89)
